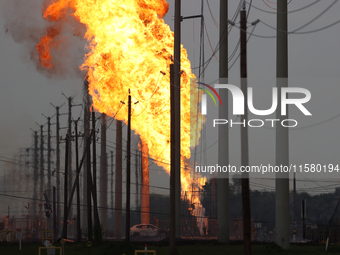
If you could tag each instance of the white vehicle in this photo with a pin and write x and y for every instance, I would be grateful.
(145, 230)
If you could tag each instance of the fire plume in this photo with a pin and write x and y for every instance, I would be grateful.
(130, 47)
(44, 48)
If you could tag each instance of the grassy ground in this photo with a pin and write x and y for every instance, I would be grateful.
(114, 248)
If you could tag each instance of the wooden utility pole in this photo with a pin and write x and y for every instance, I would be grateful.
(145, 197)
(118, 181)
(58, 168)
(89, 186)
(35, 171)
(103, 173)
(54, 214)
(49, 153)
(128, 172)
(41, 161)
(49, 173)
(138, 188)
(303, 214)
(172, 167)
(77, 183)
(111, 186)
(294, 200)
(282, 222)
(69, 132)
(64, 234)
(177, 112)
(74, 186)
(244, 136)
(97, 228)
(87, 165)
(213, 198)
(223, 133)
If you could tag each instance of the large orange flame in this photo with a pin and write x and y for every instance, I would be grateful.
(44, 48)
(130, 47)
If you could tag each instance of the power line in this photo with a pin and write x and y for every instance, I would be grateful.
(268, 5)
(217, 48)
(319, 29)
(206, 63)
(295, 31)
(212, 16)
(99, 207)
(206, 32)
(300, 9)
(308, 23)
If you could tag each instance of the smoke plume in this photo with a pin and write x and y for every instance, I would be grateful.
(26, 25)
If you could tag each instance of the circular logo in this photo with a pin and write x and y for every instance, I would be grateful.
(89, 243)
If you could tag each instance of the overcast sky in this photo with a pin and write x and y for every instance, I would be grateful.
(26, 93)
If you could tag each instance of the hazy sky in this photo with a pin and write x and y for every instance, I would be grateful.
(26, 93)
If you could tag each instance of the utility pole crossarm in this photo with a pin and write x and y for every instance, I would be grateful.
(192, 17)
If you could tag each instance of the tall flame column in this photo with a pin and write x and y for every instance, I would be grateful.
(145, 197)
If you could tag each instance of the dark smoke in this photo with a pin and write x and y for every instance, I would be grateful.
(26, 26)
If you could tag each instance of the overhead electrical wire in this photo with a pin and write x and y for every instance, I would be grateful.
(299, 33)
(295, 31)
(250, 34)
(273, 3)
(270, 2)
(237, 45)
(212, 16)
(268, 5)
(319, 29)
(99, 207)
(210, 41)
(308, 23)
(206, 63)
(311, 181)
(297, 10)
